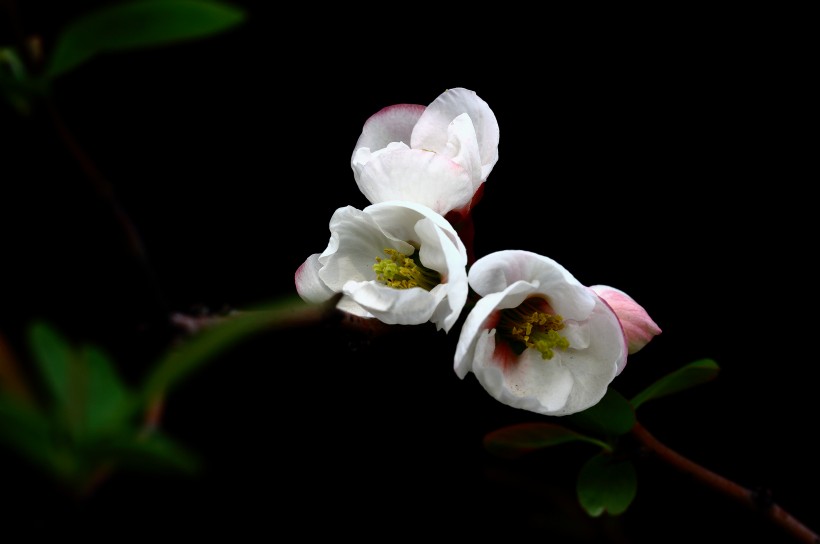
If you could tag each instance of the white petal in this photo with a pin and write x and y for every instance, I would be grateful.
(388, 129)
(462, 148)
(391, 124)
(479, 319)
(418, 176)
(438, 253)
(308, 284)
(392, 306)
(356, 241)
(473, 326)
(567, 296)
(430, 131)
(363, 155)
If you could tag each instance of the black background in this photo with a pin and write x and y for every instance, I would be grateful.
(658, 158)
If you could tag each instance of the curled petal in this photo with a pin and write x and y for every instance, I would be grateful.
(638, 327)
(308, 284)
(439, 155)
(431, 130)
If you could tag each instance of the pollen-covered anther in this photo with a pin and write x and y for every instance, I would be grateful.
(401, 271)
(534, 328)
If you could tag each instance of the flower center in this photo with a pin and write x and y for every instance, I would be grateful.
(401, 271)
(533, 325)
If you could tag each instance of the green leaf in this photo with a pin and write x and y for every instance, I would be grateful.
(612, 416)
(695, 373)
(26, 430)
(205, 345)
(137, 24)
(107, 399)
(517, 440)
(152, 452)
(55, 360)
(606, 485)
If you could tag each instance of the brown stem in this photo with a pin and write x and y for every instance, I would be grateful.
(723, 485)
(106, 192)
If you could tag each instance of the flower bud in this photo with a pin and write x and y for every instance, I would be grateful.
(638, 327)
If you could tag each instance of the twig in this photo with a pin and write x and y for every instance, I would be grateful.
(105, 190)
(725, 486)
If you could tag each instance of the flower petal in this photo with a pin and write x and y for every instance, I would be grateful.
(391, 124)
(308, 284)
(356, 240)
(389, 128)
(392, 306)
(431, 130)
(566, 295)
(418, 176)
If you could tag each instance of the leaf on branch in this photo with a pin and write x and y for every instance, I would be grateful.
(695, 373)
(606, 485)
(520, 439)
(211, 341)
(152, 452)
(612, 416)
(26, 430)
(138, 24)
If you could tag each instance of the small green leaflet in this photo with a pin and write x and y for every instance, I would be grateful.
(137, 24)
(695, 373)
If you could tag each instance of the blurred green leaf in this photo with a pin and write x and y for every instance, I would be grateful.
(136, 24)
(26, 430)
(213, 340)
(15, 86)
(517, 440)
(154, 452)
(606, 485)
(107, 399)
(55, 360)
(612, 416)
(695, 373)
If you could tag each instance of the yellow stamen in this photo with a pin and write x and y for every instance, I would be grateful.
(530, 326)
(401, 271)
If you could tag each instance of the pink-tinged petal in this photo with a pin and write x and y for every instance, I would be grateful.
(481, 319)
(391, 124)
(430, 132)
(308, 284)
(418, 176)
(638, 327)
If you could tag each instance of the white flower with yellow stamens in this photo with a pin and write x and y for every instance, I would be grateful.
(399, 262)
(538, 339)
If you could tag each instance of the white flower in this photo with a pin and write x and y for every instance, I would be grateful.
(538, 339)
(399, 262)
(437, 156)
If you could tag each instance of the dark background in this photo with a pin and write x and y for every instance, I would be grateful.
(661, 159)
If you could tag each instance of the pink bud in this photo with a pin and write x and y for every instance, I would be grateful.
(638, 327)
